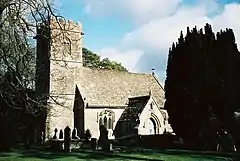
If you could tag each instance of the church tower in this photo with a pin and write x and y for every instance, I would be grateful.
(58, 65)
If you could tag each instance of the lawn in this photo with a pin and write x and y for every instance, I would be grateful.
(150, 155)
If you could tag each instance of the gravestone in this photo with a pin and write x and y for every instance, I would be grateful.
(94, 143)
(74, 134)
(42, 138)
(103, 139)
(61, 134)
(67, 139)
(56, 144)
(55, 133)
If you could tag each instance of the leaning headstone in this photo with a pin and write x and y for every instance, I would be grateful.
(103, 139)
(55, 133)
(61, 134)
(67, 139)
(94, 143)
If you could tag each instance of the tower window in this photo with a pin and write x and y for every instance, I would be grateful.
(67, 46)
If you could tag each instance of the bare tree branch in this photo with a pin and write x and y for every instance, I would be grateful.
(19, 20)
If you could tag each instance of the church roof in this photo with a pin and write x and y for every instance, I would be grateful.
(100, 87)
(135, 108)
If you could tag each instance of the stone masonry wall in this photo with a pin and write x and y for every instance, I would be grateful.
(92, 120)
(65, 64)
(143, 128)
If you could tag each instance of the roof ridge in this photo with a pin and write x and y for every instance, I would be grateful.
(116, 71)
(155, 77)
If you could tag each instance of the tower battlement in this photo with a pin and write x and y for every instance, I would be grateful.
(66, 40)
(65, 25)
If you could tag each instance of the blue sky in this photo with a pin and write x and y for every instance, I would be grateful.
(138, 33)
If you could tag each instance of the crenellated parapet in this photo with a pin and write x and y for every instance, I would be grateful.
(67, 25)
(66, 40)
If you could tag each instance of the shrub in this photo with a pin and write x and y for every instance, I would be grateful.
(87, 135)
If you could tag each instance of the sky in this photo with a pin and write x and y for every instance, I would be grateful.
(138, 33)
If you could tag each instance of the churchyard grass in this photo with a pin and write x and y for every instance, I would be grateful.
(150, 155)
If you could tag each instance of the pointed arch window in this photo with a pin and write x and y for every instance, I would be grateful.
(107, 118)
(66, 46)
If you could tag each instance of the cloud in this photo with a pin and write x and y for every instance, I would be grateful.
(160, 33)
(143, 11)
(229, 19)
(129, 59)
(139, 11)
(151, 40)
(97, 7)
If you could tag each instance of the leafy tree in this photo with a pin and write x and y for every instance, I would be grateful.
(90, 59)
(87, 135)
(202, 76)
(93, 60)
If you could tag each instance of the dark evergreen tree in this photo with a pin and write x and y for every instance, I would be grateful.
(202, 76)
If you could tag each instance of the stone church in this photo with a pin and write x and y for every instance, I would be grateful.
(85, 98)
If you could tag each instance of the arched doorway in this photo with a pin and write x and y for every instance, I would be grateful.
(151, 126)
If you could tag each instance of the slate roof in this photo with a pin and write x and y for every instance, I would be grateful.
(102, 87)
(135, 108)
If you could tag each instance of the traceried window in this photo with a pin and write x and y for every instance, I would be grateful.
(107, 118)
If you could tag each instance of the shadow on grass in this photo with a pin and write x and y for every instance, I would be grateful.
(200, 154)
(82, 155)
(127, 155)
(4, 154)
